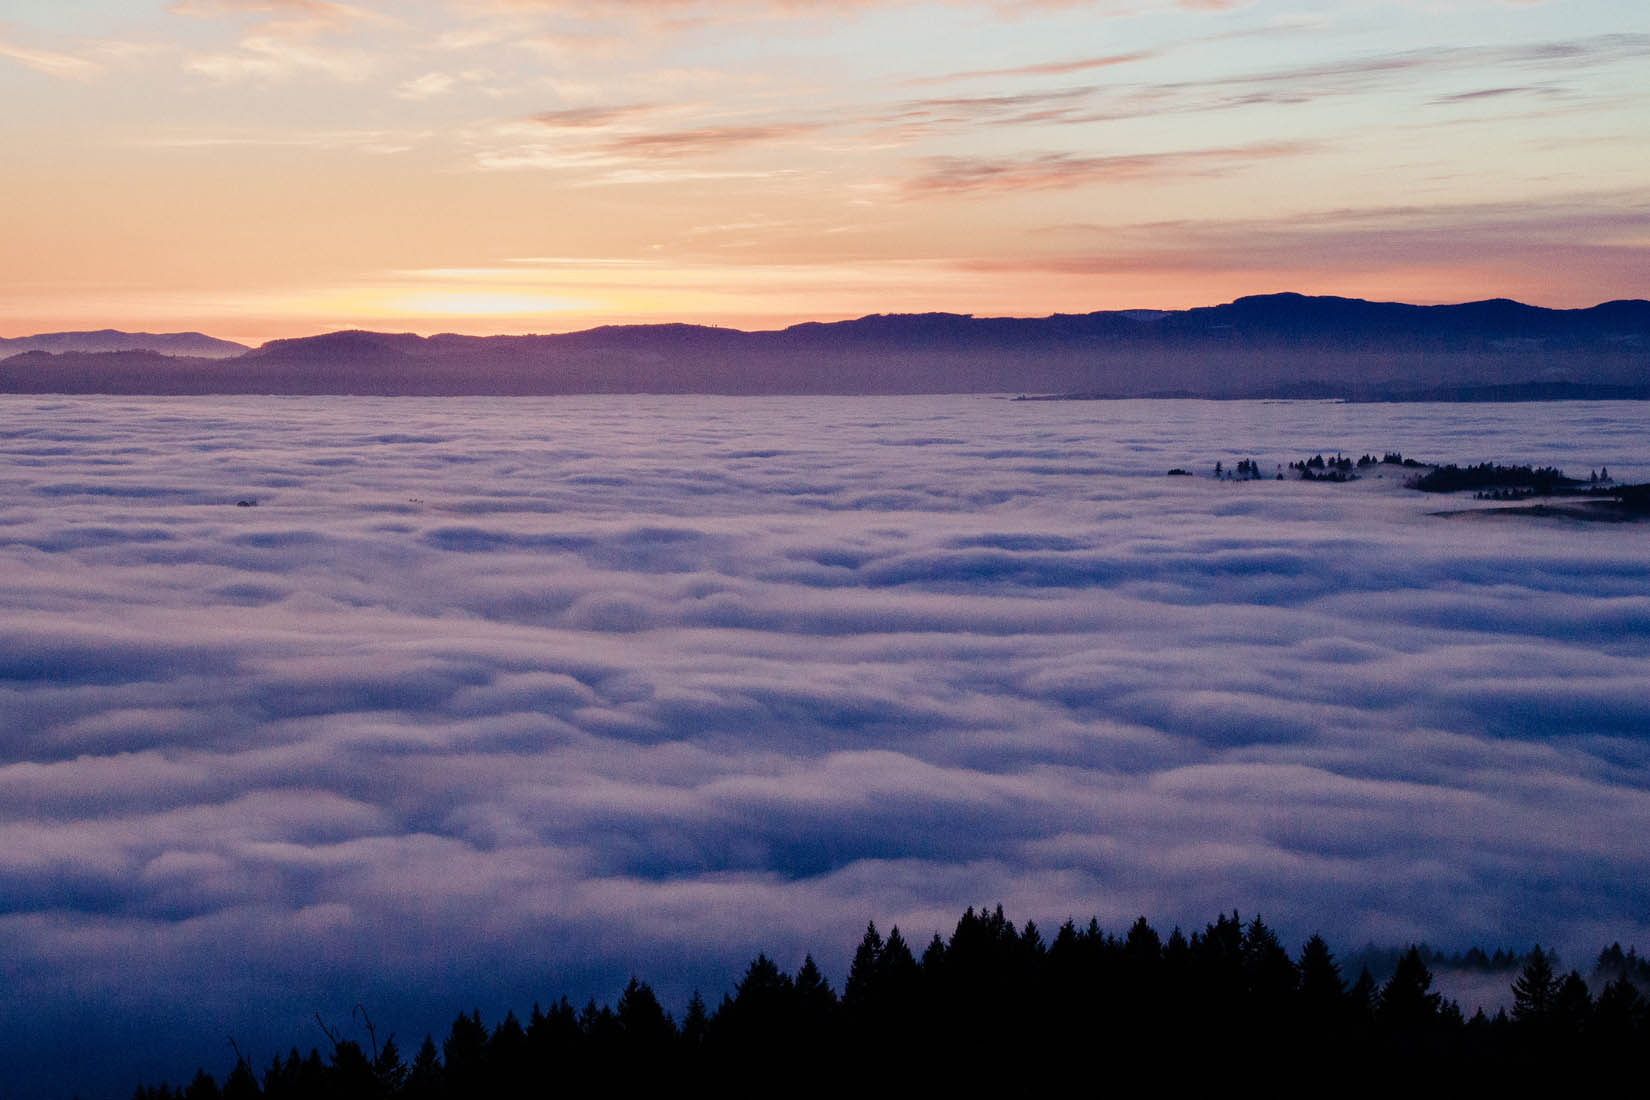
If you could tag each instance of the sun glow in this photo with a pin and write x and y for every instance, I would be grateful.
(300, 167)
(474, 303)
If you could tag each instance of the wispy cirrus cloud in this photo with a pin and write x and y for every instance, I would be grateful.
(1449, 250)
(710, 139)
(1278, 87)
(961, 175)
(290, 42)
(626, 142)
(594, 117)
(1356, 75)
(945, 113)
(275, 57)
(50, 62)
(1481, 94)
(375, 142)
(431, 85)
(827, 109)
(1005, 8)
(1610, 228)
(1043, 68)
(294, 12)
(1079, 105)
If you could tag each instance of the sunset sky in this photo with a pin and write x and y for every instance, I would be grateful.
(266, 168)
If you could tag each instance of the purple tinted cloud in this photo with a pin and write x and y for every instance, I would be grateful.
(522, 697)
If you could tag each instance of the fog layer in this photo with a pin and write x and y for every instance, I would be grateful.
(483, 700)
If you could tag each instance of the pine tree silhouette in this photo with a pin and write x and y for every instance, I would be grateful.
(1572, 1009)
(649, 1034)
(240, 1083)
(1408, 1010)
(996, 1008)
(1323, 991)
(424, 1077)
(463, 1055)
(859, 992)
(1534, 989)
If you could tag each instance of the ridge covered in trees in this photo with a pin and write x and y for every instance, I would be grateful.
(996, 1003)
(1272, 346)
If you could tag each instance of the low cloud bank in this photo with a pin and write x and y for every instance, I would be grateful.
(485, 701)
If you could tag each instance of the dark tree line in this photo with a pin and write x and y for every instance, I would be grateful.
(997, 1004)
(1543, 480)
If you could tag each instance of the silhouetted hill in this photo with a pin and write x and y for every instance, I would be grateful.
(343, 347)
(1276, 345)
(1289, 317)
(167, 343)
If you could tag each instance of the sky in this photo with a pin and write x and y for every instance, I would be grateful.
(488, 701)
(268, 168)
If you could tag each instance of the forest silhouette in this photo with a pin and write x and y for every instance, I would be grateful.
(994, 1005)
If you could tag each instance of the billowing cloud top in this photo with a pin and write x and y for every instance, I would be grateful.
(481, 701)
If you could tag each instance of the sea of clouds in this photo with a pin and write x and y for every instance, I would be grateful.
(490, 700)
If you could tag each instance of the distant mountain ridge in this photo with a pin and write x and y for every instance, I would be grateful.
(107, 340)
(1276, 345)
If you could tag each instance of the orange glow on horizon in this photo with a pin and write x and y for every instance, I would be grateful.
(436, 168)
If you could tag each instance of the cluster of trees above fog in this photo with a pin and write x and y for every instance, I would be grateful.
(996, 1003)
(1490, 480)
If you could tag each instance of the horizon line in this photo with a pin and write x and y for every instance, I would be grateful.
(436, 333)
